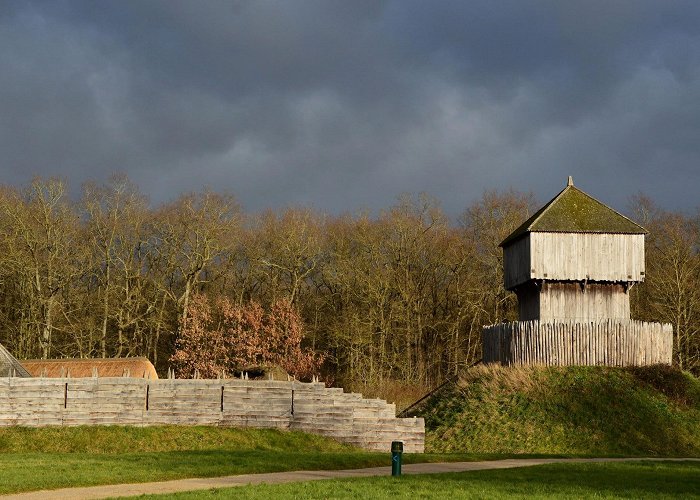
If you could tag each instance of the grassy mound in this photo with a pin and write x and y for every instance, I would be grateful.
(573, 410)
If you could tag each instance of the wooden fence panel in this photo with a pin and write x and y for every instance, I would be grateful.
(609, 343)
(348, 417)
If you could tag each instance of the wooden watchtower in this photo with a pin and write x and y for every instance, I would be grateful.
(571, 266)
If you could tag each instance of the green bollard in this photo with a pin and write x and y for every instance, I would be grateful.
(396, 452)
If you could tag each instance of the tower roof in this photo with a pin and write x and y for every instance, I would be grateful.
(573, 211)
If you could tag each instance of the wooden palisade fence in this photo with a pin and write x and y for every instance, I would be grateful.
(565, 343)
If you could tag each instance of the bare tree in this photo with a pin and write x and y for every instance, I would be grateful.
(115, 218)
(42, 229)
(671, 292)
(189, 236)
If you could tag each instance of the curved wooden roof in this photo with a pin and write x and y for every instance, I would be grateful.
(81, 368)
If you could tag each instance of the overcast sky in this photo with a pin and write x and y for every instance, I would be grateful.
(343, 105)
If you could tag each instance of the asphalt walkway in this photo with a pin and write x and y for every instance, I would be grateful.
(178, 485)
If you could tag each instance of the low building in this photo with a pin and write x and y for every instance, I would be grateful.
(91, 367)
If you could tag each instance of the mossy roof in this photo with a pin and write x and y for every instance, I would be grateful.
(573, 211)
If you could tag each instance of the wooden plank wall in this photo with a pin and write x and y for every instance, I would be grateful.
(581, 256)
(516, 262)
(607, 343)
(562, 301)
(572, 302)
(348, 417)
(528, 301)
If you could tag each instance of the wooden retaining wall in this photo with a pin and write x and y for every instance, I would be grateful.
(313, 408)
(608, 343)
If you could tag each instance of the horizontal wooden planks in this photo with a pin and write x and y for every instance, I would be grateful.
(348, 417)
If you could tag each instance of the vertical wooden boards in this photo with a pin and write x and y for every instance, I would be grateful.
(516, 262)
(529, 301)
(580, 256)
(609, 343)
(574, 302)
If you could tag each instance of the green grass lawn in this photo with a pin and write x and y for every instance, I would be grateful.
(657, 480)
(113, 439)
(49, 458)
(36, 471)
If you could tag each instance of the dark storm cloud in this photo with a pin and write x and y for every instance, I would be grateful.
(346, 104)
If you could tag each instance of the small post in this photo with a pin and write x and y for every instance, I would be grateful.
(396, 452)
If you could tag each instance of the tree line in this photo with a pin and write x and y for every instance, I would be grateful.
(398, 296)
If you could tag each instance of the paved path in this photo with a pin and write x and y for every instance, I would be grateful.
(125, 490)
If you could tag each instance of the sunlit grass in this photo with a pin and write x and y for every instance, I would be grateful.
(653, 480)
(652, 411)
(47, 458)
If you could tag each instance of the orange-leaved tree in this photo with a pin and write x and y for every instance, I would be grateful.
(221, 336)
